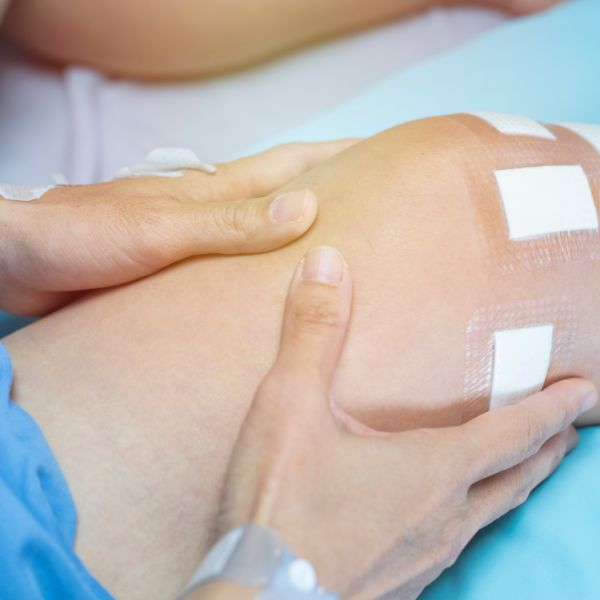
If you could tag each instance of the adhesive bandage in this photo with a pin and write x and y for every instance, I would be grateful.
(166, 162)
(512, 350)
(590, 133)
(534, 204)
(22, 192)
(515, 125)
(540, 201)
(521, 362)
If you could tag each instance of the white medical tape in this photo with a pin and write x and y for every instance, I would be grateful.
(23, 193)
(590, 133)
(543, 200)
(515, 125)
(521, 363)
(512, 349)
(166, 162)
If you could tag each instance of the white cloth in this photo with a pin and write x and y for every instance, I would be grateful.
(77, 123)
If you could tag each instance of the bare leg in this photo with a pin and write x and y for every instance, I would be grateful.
(141, 390)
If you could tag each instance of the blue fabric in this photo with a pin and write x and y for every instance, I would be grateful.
(38, 518)
(548, 67)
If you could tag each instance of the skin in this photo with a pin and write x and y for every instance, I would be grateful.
(298, 471)
(141, 389)
(189, 38)
(78, 238)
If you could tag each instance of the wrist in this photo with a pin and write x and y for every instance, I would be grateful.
(256, 559)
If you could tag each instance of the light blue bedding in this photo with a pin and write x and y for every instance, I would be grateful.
(547, 67)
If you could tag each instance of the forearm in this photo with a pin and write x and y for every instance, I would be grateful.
(186, 38)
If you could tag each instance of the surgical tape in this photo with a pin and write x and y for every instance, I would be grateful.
(515, 125)
(534, 201)
(166, 162)
(513, 349)
(590, 133)
(544, 200)
(27, 193)
(23, 193)
(255, 556)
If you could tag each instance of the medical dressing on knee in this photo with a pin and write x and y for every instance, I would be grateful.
(535, 199)
(535, 192)
(167, 162)
(590, 133)
(512, 349)
(515, 125)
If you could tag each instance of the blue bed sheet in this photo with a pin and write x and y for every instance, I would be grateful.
(548, 67)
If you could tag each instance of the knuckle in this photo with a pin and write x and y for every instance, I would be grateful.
(556, 451)
(534, 434)
(519, 484)
(514, 479)
(233, 221)
(564, 414)
(315, 314)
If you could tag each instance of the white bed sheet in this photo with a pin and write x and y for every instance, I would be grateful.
(77, 123)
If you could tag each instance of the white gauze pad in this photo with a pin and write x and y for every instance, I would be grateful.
(166, 162)
(521, 362)
(590, 133)
(544, 200)
(515, 125)
(22, 192)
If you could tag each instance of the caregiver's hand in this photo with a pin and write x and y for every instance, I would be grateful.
(84, 237)
(379, 512)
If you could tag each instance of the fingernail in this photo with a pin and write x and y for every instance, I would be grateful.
(572, 439)
(289, 207)
(589, 400)
(323, 264)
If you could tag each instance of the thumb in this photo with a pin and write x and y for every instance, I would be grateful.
(248, 226)
(315, 322)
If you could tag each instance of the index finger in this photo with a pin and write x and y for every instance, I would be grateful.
(260, 174)
(503, 438)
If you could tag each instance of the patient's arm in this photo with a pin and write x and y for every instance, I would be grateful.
(141, 389)
(184, 38)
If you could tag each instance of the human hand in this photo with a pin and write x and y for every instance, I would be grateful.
(381, 512)
(85, 237)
